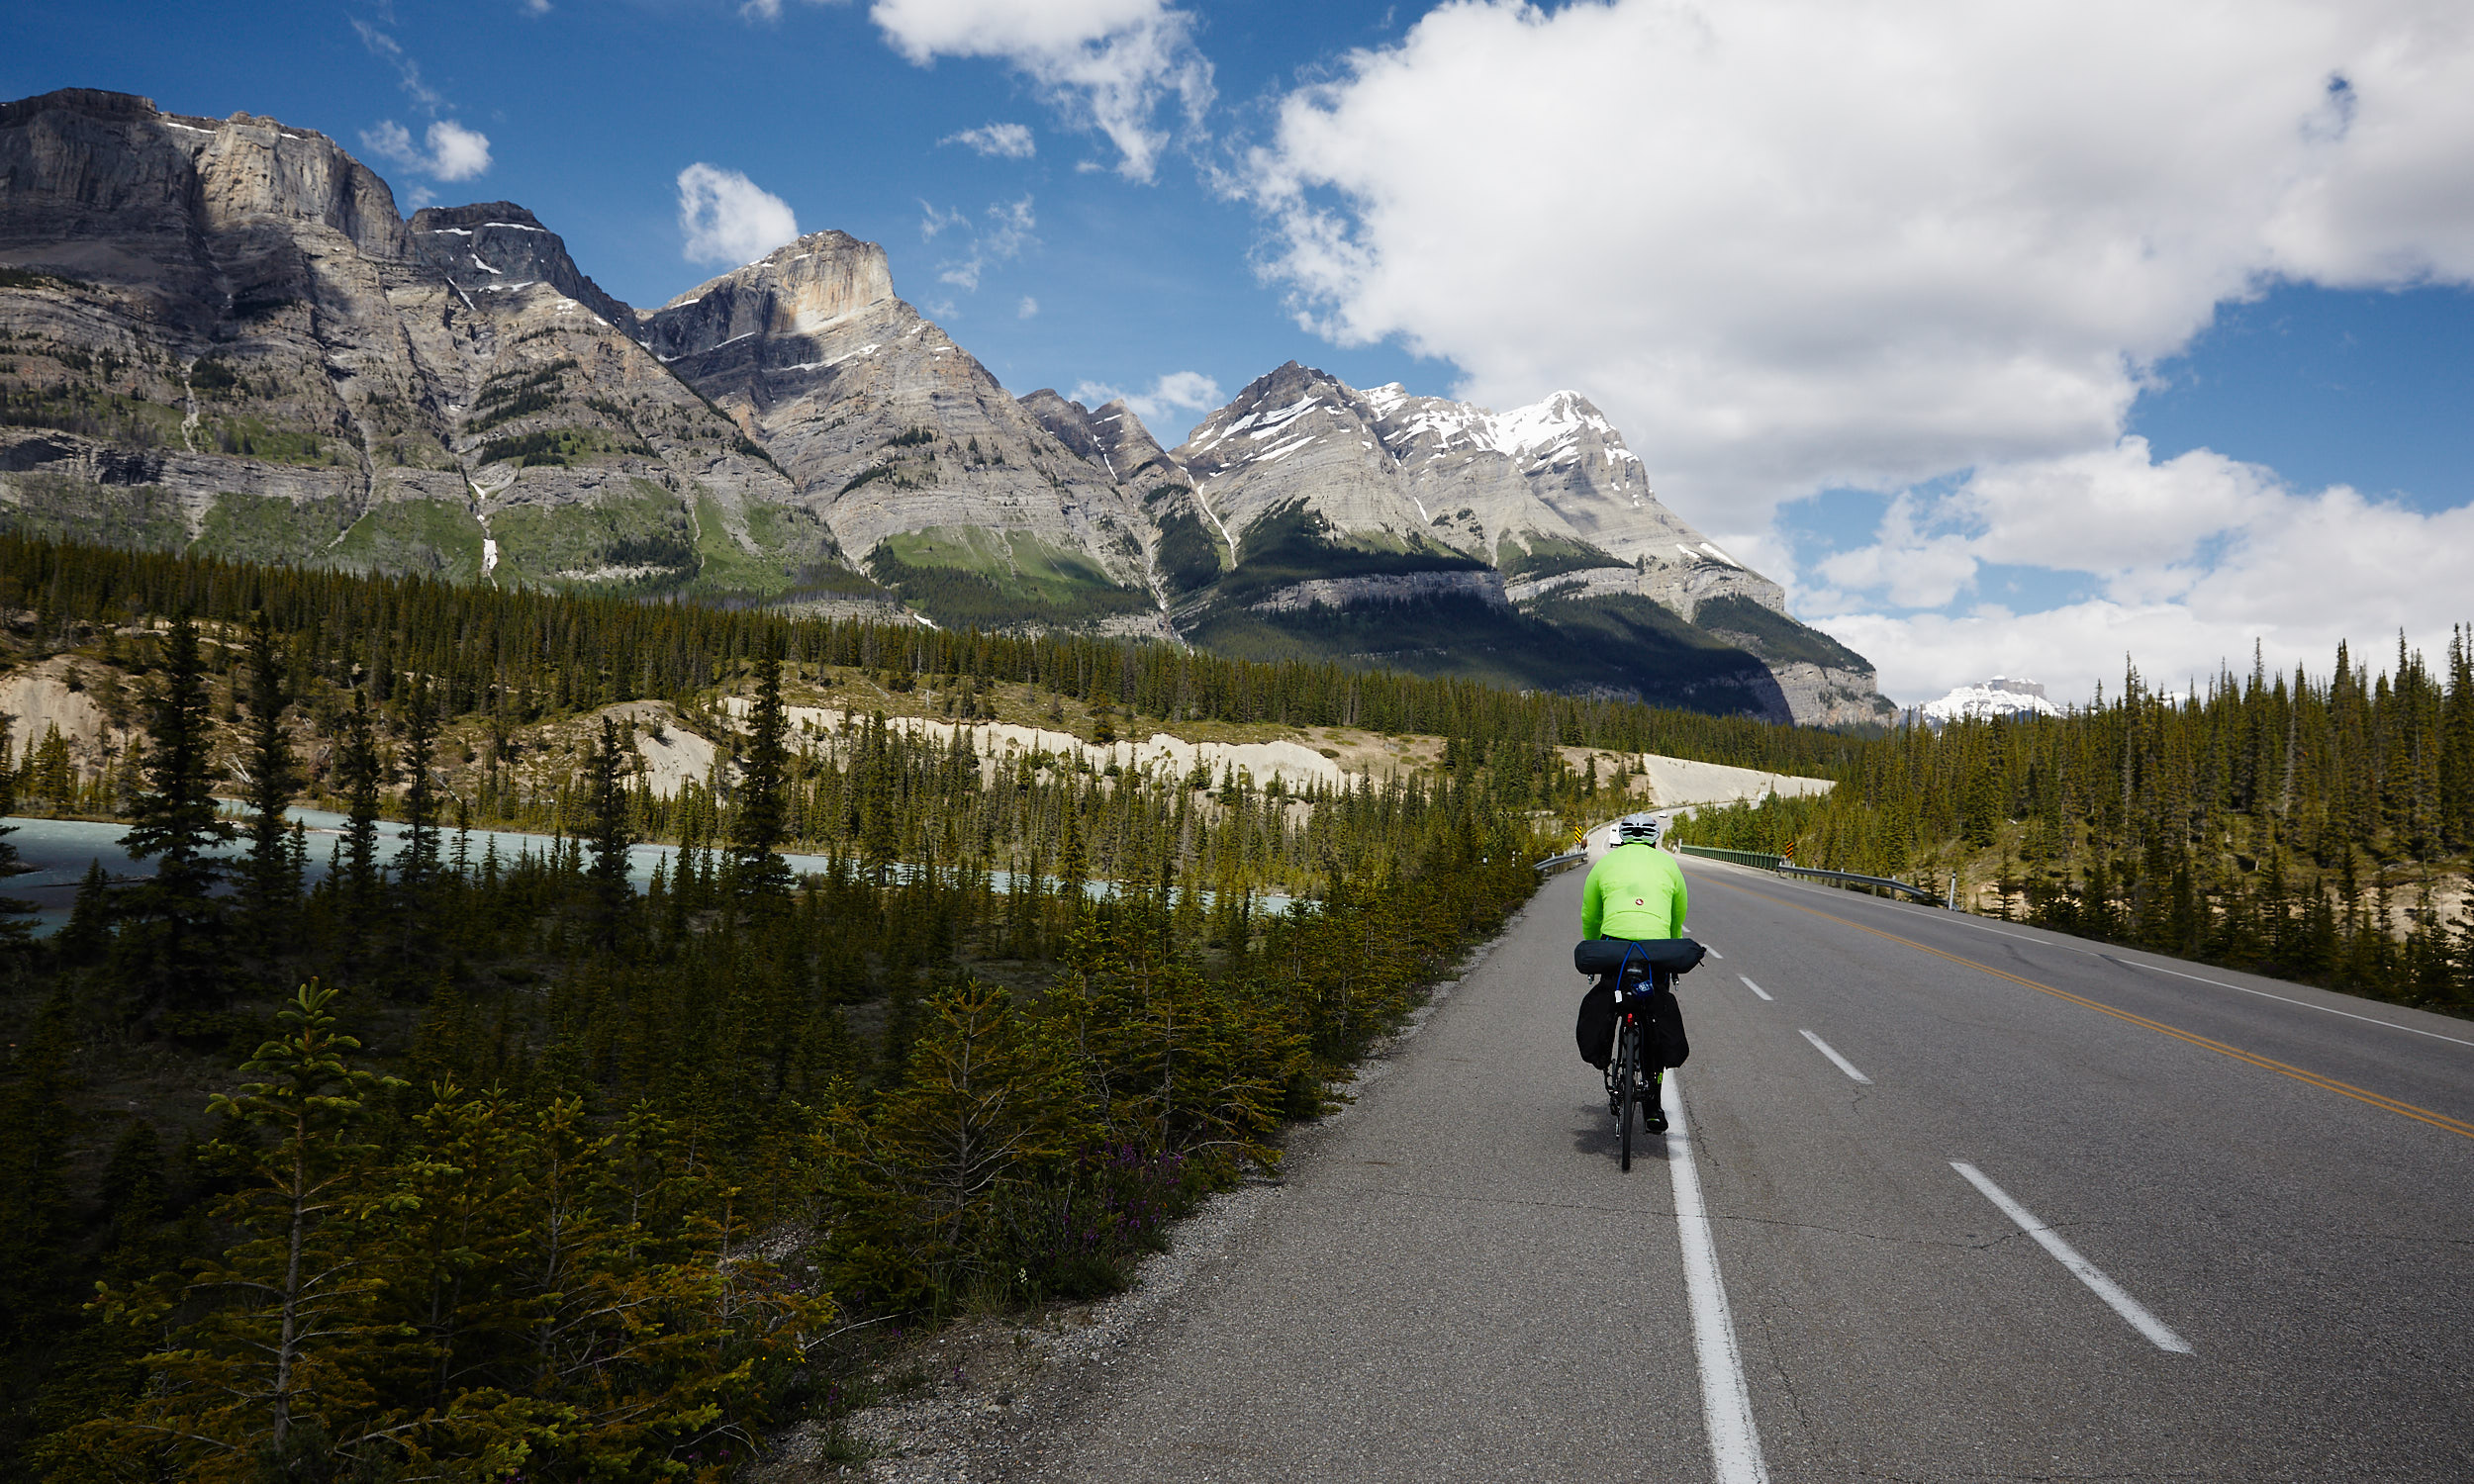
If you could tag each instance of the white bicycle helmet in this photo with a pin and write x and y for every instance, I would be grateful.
(1640, 829)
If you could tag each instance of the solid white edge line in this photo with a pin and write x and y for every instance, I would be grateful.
(1755, 988)
(1735, 1444)
(1844, 1065)
(2068, 1257)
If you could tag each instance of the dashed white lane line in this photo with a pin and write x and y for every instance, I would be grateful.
(2068, 1257)
(1755, 988)
(1735, 1444)
(1713, 952)
(1842, 1063)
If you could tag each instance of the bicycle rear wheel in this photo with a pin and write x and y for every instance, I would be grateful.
(1627, 1086)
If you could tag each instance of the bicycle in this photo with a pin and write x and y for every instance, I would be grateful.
(1624, 1075)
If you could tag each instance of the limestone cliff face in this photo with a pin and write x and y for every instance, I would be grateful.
(899, 439)
(809, 288)
(1485, 586)
(1825, 695)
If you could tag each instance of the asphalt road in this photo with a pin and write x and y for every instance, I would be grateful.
(2255, 1263)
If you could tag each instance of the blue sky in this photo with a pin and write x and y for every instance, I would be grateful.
(2008, 340)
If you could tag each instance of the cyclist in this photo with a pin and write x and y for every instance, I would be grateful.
(1636, 891)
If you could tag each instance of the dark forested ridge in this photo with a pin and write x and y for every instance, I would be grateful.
(2312, 828)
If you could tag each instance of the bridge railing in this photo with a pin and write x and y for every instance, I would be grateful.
(1783, 867)
(1752, 857)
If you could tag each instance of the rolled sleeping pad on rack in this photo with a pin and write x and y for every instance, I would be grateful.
(1664, 955)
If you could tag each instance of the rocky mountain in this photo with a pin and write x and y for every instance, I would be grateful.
(499, 247)
(219, 335)
(1328, 497)
(906, 446)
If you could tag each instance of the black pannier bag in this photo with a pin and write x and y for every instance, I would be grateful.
(1666, 1045)
(1594, 1029)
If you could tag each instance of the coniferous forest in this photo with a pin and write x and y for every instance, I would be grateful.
(450, 1163)
(446, 1162)
(2310, 827)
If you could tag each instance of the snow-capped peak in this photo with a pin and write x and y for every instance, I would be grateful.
(2002, 696)
(1535, 432)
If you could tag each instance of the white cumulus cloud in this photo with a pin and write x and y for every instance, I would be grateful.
(1791, 245)
(729, 219)
(1793, 242)
(1107, 65)
(997, 141)
(450, 150)
(1174, 400)
(1027, 309)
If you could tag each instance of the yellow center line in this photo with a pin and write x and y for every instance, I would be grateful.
(2358, 1094)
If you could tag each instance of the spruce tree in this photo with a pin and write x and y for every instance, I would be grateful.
(269, 883)
(271, 1375)
(756, 832)
(415, 760)
(612, 834)
(175, 914)
(360, 772)
(15, 928)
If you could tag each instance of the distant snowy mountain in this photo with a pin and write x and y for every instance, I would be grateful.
(2001, 696)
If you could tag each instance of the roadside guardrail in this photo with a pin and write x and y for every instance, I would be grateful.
(1780, 865)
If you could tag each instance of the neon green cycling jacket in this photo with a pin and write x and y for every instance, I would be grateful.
(1635, 891)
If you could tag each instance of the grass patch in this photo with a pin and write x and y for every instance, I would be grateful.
(726, 567)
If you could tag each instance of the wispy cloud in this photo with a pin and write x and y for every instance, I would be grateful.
(447, 150)
(407, 71)
(1027, 309)
(997, 141)
(1107, 66)
(1000, 235)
